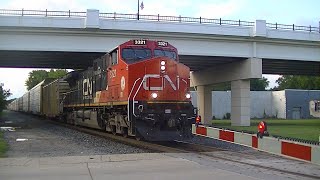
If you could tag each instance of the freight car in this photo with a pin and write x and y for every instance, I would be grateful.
(32, 101)
(138, 89)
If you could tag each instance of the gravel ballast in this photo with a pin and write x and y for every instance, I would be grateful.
(219, 144)
(35, 137)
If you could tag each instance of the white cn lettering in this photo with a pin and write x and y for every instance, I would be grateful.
(87, 87)
(145, 84)
(165, 79)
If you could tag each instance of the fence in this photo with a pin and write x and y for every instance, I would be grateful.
(177, 19)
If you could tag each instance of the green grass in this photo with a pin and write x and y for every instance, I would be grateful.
(3, 143)
(3, 146)
(308, 129)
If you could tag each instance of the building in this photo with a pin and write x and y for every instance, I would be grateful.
(286, 104)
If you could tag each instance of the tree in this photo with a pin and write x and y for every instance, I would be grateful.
(36, 76)
(4, 94)
(57, 73)
(255, 85)
(259, 84)
(298, 82)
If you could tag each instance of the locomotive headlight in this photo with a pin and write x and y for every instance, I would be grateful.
(154, 95)
(163, 63)
(162, 68)
(188, 96)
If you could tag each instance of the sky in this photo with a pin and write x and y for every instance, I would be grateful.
(299, 12)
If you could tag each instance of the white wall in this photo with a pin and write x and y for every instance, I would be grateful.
(279, 104)
(221, 103)
(261, 102)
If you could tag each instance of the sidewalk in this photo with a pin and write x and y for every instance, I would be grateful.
(128, 166)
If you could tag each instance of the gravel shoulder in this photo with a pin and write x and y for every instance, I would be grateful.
(34, 137)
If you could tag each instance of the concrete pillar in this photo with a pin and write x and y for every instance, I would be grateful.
(204, 101)
(92, 19)
(240, 102)
(260, 28)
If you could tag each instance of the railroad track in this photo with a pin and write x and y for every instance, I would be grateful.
(178, 147)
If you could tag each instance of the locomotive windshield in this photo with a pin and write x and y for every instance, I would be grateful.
(131, 55)
(169, 54)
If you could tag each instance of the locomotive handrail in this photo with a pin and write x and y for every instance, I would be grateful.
(134, 84)
(144, 77)
(157, 18)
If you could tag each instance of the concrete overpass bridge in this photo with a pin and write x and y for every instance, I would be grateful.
(216, 50)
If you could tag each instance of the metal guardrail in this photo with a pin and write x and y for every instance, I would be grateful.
(159, 18)
(178, 19)
(292, 27)
(44, 13)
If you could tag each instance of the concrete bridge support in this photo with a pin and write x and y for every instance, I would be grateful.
(239, 74)
(240, 102)
(204, 99)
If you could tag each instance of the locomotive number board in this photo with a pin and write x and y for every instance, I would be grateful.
(139, 42)
(162, 43)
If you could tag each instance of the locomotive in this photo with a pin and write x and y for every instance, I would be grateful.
(138, 89)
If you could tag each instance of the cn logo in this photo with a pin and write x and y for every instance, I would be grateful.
(87, 87)
(165, 80)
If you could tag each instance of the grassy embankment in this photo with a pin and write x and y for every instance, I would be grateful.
(308, 129)
(3, 144)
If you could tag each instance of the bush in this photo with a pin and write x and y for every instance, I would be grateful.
(227, 116)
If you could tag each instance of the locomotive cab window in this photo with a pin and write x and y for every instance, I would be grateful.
(167, 53)
(131, 55)
(114, 57)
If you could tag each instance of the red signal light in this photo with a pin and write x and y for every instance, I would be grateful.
(198, 119)
(262, 129)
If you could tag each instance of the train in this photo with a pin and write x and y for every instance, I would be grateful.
(137, 89)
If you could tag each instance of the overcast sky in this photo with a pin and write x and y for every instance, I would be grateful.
(300, 12)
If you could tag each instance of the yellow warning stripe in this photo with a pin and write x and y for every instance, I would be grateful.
(99, 104)
(125, 103)
(168, 102)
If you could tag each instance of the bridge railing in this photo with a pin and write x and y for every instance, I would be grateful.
(183, 19)
(178, 19)
(292, 27)
(45, 13)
